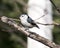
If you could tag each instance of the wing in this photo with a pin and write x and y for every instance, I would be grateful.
(32, 22)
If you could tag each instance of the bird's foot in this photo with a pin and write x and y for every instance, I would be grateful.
(26, 29)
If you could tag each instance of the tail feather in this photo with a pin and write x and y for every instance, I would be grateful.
(37, 26)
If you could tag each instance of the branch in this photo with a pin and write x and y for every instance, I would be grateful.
(55, 6)
(30, 34)
(54, 23)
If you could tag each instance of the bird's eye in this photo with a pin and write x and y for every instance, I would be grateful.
(22, 16)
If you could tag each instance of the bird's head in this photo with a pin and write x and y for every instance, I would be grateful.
(23, 16)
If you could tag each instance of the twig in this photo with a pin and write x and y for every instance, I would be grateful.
(55, 6)
(40, 17)
(30, 34)
(54, 23)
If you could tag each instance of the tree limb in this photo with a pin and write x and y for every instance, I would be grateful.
(30, 34)
(55, 6)
(54, 23)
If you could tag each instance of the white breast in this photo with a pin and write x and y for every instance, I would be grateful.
(25, 23)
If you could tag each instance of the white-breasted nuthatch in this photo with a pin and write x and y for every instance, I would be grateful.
(26, 21)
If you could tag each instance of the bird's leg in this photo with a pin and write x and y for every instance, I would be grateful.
(27, 29)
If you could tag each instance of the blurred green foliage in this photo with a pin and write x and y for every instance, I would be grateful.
(13, 9)
(56, 17)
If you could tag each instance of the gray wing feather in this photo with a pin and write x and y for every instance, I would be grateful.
(32, 22)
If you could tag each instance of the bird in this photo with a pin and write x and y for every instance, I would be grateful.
(27, 22)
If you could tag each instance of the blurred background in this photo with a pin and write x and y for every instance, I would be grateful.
(12, 38)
